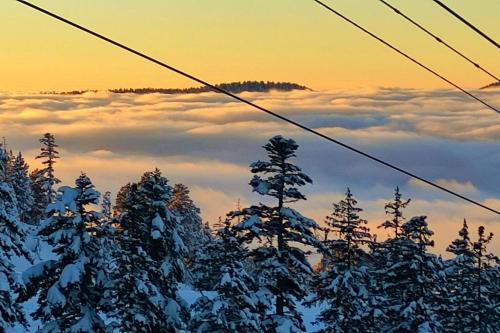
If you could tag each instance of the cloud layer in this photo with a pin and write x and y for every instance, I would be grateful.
(208, 140)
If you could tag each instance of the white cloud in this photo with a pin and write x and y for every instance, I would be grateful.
(208, 140)
(463, 187)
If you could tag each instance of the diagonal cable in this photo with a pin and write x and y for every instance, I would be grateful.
(439, 39)
(247, 102)
(345, 18)
(467, 23)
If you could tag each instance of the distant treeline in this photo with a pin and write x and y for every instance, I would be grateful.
(492, 85)
(234, 87)
(72, 92)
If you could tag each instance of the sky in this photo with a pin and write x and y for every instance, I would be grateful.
(227, 40)
(362, 93)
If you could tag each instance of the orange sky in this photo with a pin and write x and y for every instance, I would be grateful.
(229, 40)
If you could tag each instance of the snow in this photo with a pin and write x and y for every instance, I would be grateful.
(83, 325)
(285, 325)
(55, 297)
(173, 309)
(66, 199)
(252, 223)
(158, 224)
(179, 244)
(155, 234)
(36, 270)
(262, 187)
(309, 313)
(72, 273)
(225, 279)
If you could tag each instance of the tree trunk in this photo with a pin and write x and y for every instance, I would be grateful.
(280, 306)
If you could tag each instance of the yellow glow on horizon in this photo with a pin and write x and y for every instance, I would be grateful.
(226, 40)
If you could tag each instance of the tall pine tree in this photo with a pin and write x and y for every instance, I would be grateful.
(18, 177)
(472, 302)
(70, 288)
(410, 281)
(278, 230)
(395, 210)
(12, 239)
(106, 208)
(150, 261)
(49, 155)
(343, 288)
(192, 232)
(236, 307)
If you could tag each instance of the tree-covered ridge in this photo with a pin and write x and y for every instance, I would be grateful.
(119, 266)
(492, 85)
(233, 87)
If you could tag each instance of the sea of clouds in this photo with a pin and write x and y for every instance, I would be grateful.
(207, 141)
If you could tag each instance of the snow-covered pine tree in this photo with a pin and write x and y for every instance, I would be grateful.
(193, 232)
(460, 308)
(4, 164)
(343, 287)
(351, 230)
(70, 288)
(106, 208)
(387, 249)
(207, 262)
(12, 238)
(37, 211)
(150, 261)
(236, 307)
(492, 295)
(49, 155)
(410, 282)
(395, 210)
(473, 282)
(276, 231)
(18, 177)
(121, 198)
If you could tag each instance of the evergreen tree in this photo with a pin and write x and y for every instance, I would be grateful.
(460, 308)
(491, 298)
(209, 258)
(12, 238)
(106, 207)
(395, 209)
(150, 261)
(121, 198)
(236, 308)
(18, 177)
(192, 233)
(343, 288)
(37, 211)
(49, 155)
(473, 285)
(70, 288)
(282, 266)
(351, 229)
(4, 164)
(410, 281)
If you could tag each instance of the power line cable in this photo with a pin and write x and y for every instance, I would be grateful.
(438, 39)
(470, 25)
(345, 18)
(245, 101)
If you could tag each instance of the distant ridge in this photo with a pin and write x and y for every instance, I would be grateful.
(233, 87)
(492, 85)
